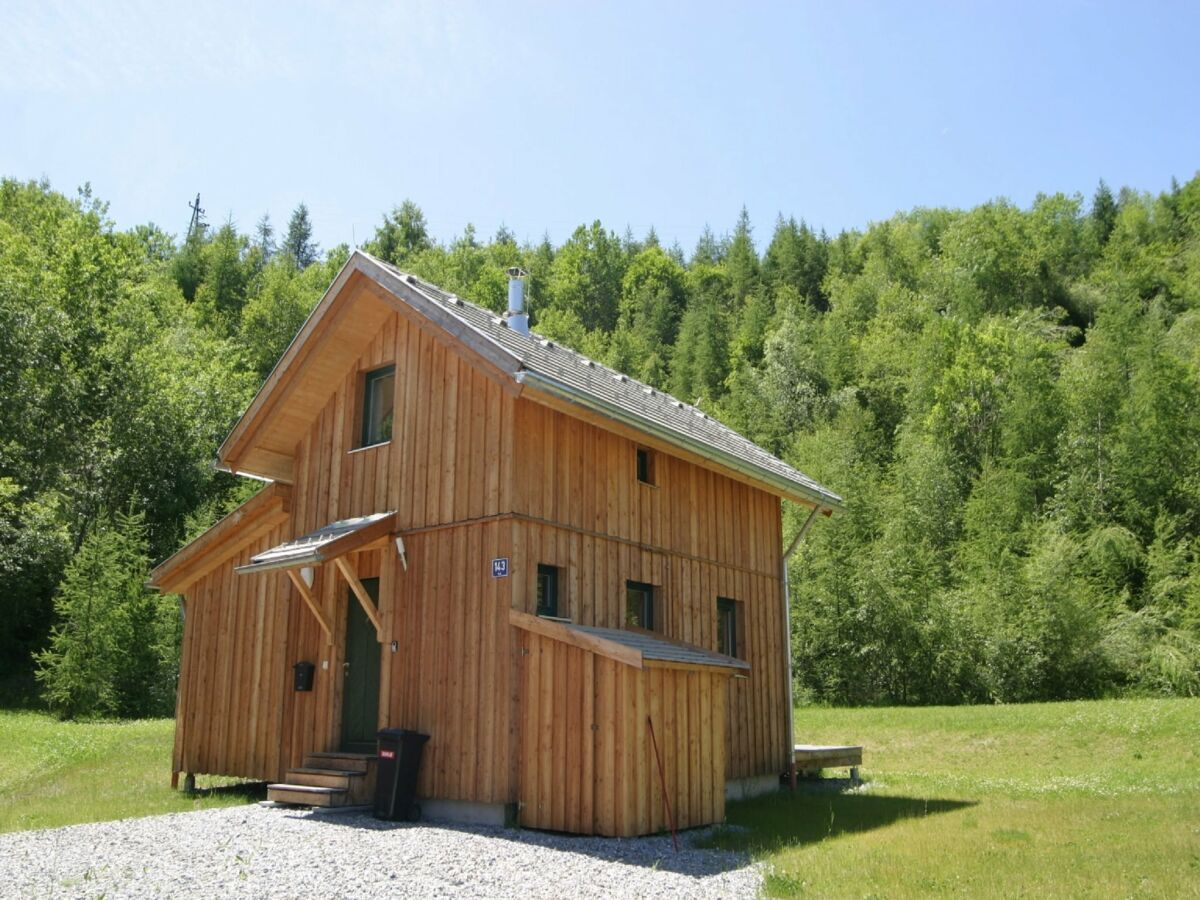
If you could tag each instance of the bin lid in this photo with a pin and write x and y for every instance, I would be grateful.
(406, 734)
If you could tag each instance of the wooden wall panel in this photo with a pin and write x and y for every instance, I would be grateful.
(587, 756)
(445, 462)
(592, 592)
(449, 677)
(577, 475)
(695, 533)
(233, 673)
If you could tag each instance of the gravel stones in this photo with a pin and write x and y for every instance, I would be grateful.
(259, 851)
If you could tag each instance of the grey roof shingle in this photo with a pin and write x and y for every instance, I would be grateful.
(647, 405)
(666, 651)
(307, 547)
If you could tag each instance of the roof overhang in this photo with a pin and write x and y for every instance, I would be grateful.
(827, 503)
(269, 508)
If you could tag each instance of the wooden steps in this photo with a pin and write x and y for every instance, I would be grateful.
(328, 780)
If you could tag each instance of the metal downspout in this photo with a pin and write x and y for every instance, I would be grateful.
(787, 634)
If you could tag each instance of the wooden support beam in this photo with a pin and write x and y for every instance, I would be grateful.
(307, 594)
(351, 575)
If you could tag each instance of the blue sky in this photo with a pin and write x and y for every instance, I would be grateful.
(543, 116)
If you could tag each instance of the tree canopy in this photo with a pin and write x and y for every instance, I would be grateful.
(1007, 398)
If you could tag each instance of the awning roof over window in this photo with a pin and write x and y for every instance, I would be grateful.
(633, 647)
(324, 544)
(655, 648)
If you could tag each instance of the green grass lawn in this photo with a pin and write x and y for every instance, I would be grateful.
(1070, 799)
(1060, 799)
(62, 773)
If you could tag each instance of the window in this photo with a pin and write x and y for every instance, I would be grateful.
(639, 605)
(547, 591)
(645, 466)
(727, 626)
(378, 390)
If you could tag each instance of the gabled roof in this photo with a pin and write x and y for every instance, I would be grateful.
(529, 362)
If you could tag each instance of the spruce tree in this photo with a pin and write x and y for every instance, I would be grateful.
(298, 244)
(1104, 212)
(114, 649)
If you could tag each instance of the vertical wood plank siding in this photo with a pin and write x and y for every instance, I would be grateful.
(233, 672)
(696, 535)
(588, 763)
(476, 473)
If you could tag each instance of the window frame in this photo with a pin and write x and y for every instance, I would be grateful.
(729, 611)
(550, 573)
(639, 469)
(369, 379)
(649, 604)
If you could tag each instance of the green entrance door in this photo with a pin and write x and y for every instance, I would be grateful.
(360, 690)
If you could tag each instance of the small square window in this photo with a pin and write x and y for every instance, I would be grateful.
(727, 627)
(645, 466)
(378, 395)
(639, 605)
(547, 591)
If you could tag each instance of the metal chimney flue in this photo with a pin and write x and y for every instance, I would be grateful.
(518, 319)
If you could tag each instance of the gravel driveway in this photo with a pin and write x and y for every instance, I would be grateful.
(260, 851)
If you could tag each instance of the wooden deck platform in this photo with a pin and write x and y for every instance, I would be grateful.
(812, 758)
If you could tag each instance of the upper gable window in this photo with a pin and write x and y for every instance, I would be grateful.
(379, 387)
(645, 466)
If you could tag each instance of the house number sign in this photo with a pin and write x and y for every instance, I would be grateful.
(500, 567)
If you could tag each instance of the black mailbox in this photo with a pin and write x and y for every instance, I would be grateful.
(304, 672)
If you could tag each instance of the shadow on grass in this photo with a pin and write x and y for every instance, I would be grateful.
(780, 821)
(247, 790)
(763, 825)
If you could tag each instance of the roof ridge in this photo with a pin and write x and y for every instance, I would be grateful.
(565, 371)
(429, 288)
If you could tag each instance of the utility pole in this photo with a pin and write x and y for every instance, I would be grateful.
(197, 224)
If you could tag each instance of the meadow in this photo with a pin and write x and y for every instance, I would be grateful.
(1093, 798)
(63, 773)
(1084, 799)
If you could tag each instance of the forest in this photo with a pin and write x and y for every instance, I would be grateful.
(1008, 398)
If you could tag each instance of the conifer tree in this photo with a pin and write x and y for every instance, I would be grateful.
(298, 244)
(264, 238)
(114, 649)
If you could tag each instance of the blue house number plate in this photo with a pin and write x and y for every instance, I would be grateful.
(500, 567)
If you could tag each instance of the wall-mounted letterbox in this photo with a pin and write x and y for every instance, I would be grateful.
(303, 672)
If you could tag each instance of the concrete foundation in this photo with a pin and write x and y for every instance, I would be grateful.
(754, 786)
(500, 815)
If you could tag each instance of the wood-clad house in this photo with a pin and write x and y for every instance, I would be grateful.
(571, 581)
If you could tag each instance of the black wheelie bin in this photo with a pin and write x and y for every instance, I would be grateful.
(400, 753)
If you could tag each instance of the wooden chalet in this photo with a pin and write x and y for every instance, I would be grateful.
(573, 582)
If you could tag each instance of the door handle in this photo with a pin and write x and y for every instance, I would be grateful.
(345, 667)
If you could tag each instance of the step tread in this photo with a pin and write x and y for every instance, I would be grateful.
(305, 788)
(340, 754)
(318, 770)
